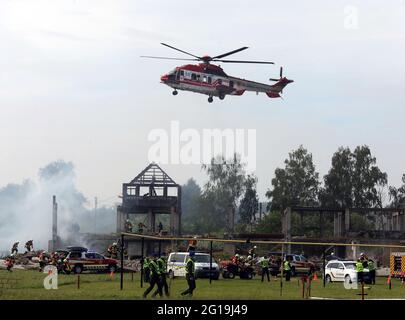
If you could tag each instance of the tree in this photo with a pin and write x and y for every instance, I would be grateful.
(224, 187)
(297, 183)
(190, 194)
(354, 180)
(338, 187)
(250, 201)
(397, 195)
(367, 177)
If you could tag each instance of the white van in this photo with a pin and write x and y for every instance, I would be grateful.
(176, 265)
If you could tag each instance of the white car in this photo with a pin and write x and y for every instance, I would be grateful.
(176, 265)
(337, 270)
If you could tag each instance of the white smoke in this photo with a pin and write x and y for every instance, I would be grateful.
(26, 209)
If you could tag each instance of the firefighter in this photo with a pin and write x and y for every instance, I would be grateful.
(128, 226)
(161, 263)
(235, 259)
(14, 249)
(113, 250)
(192, 244)
(140, 227)
(29, 245)
(43, 259)
(66, 268)
(10, 263)
(154, 277)
(190, 277)
(371, 270)
(265, 264)
(160, 228)
(287, 269)
(359, 270)
(252, 252)
(54, 258)
(146, 270)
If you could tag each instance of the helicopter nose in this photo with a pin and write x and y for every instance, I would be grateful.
(164, 78)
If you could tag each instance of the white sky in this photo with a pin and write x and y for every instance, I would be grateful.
(72, 85)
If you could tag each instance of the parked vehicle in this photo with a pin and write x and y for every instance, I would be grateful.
(84, 260)
(176, 265)
(339, 271)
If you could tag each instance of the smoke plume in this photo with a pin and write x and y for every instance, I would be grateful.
(26, 209)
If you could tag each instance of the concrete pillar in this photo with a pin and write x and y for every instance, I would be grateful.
(338, 224)
(347, 221)
(120, 220)
(151, 221)
(174, 221)
(54, 244)
(286, 226)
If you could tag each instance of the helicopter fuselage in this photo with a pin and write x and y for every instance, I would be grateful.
(211, 80)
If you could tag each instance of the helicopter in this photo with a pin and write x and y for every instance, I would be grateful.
(210, 79)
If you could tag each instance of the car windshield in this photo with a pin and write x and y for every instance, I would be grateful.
(203, 258)
(350, 265)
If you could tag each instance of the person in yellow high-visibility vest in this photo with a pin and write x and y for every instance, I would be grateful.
(359, 270)
(287, 269)
(265, 264)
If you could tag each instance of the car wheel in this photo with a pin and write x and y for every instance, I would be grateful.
(348, 279)
(216, 277)
(328, 279)
(112, 268)
(231, 275)
(293, 273)
(249, 276)
(78, 269)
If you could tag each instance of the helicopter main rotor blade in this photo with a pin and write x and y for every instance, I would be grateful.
(244, 61)
(229, 53)
(190, 54)
(167, 58)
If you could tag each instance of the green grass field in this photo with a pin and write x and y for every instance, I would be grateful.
(29, 285)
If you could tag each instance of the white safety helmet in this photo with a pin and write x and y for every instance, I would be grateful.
(237, 255)
(254, 247)
(114, 244)
(249, 257)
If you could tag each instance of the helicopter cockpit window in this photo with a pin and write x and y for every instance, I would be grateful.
(209, 80)
(182, 73)
(204, 79)
(193, 76)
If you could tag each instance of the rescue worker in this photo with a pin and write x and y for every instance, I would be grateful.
(371, 270)
(10, 263)
(128, 226)
(66, 268)
(146, 270)
(14, 249)
(43, 259)
(287, 269)
(54, 258)
(113, 250)
(190, 277)
(359, 270)
(29, 245)
(160, 228)
(140, 227)
(154, 278)
(265, 264)
(161, 263)
(235, 259)
(192, 244)
(252, 252)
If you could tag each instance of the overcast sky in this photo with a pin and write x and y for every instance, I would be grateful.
(73, 87)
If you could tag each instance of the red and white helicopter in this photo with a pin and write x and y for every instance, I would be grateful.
(210, 79)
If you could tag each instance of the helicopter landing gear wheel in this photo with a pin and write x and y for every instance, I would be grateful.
(175, 92)
(210, 99)
(221, 96)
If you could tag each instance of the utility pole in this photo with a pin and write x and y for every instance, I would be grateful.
(95, 214)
